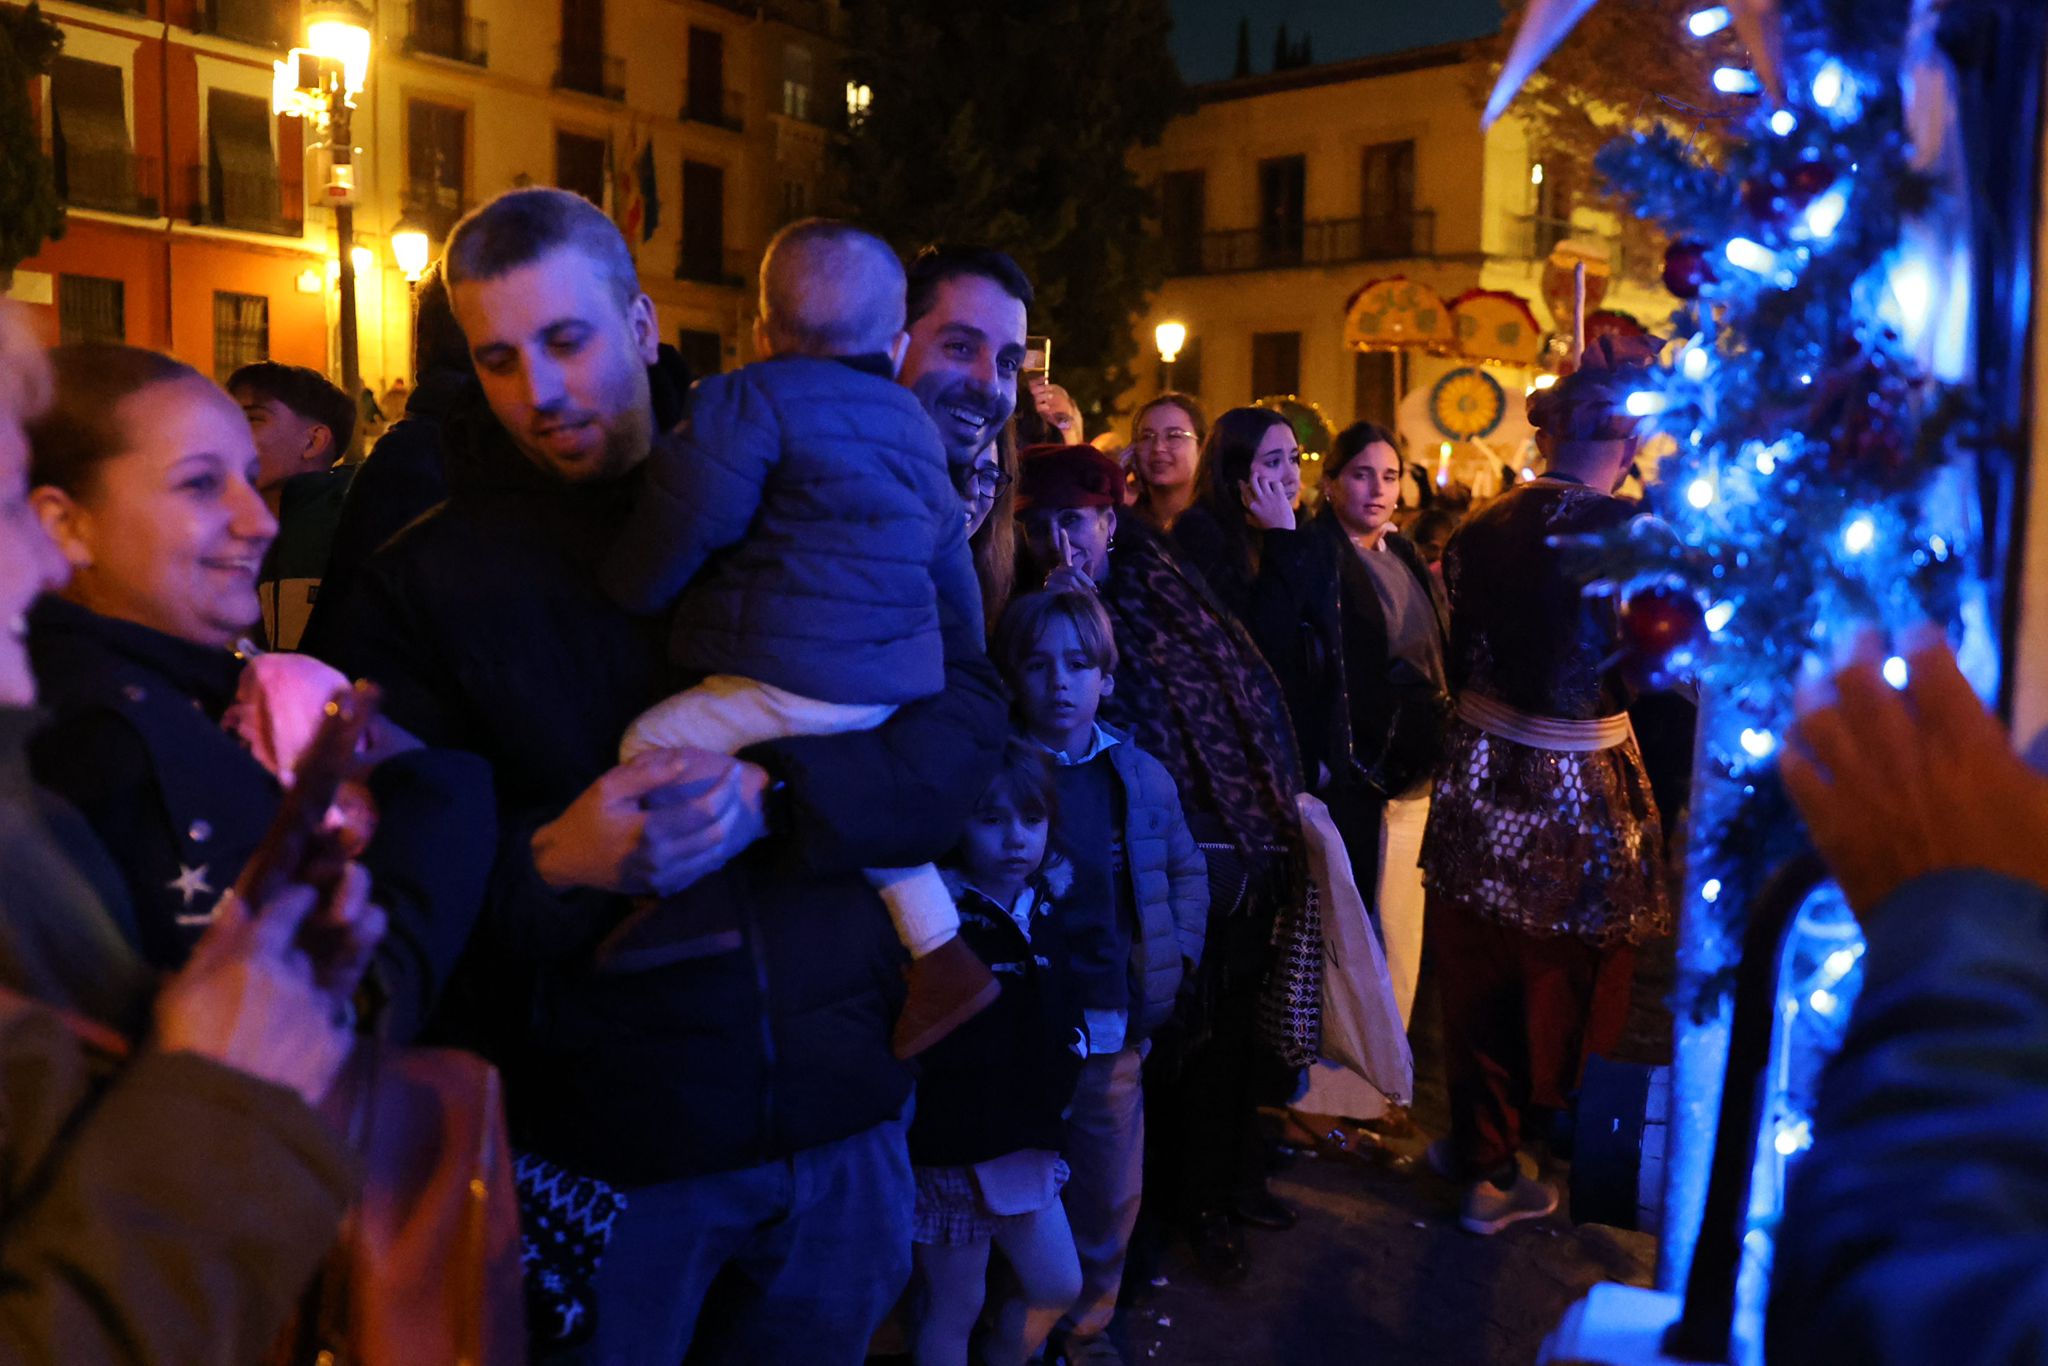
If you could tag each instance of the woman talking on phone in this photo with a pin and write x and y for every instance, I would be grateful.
(140, 474)
(169, 1189)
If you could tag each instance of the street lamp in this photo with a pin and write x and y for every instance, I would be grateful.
(411, 249)
(1169, 337)
(320, 81)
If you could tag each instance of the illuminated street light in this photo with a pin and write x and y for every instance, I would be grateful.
(410, 249)
(320, 82)
(1169, 337)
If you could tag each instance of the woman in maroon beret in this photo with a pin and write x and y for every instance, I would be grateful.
(1193, 690)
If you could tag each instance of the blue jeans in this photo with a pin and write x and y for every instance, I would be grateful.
(808, 1254)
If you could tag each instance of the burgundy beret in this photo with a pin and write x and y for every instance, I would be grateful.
(1056, 477)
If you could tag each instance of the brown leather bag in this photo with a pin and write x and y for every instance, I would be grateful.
(427, 1269)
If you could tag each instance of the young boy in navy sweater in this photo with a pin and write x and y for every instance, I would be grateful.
(1140, 894)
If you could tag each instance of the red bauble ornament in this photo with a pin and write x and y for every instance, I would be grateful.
(1864, 410)
(1774, 197)
(1658, 620)
(1687, 269)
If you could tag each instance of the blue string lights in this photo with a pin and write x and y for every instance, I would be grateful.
(1813, 485)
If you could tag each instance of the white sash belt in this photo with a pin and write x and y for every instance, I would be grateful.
(1543, 732)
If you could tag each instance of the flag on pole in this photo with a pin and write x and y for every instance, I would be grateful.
(650, 193)
(629, 205)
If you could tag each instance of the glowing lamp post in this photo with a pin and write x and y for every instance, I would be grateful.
(320, 81)
(1169, 337)
(410, 249)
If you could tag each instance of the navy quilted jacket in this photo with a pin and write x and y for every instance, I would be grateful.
(805, 514)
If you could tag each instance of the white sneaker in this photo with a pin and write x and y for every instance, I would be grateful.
(1489, 1209)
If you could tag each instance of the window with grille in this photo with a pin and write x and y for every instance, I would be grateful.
(1276, 364)
(1183, 216)
(241, 332)
(703, 254)
(1283, 200)
(90, 309)
(703, 352)
(94, 163)
(1372, 387)
(1387, 200)
(579, 165)
(436, 157)
(243, 189)
(797, 75)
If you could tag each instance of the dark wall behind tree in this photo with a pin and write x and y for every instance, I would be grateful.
(1009, 125)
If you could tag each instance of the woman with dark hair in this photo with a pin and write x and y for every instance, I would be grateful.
(1166, 446)
(1194, 692)
(1383, 689)
(990, 496)
(1355, 626)
(141, 476)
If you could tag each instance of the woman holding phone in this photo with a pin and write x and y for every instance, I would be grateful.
(170, 1189)
(140, 475)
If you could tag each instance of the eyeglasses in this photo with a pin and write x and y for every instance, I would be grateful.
(988, 482)
(1172, 435)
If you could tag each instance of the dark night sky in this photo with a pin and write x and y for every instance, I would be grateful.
(1205, 31)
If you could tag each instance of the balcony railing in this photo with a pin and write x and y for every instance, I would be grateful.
(590, 71)
(714, 105)
(713, 267)
(263, 23)
(1329, 242)
(110, 179)
(434, 31)
(244, 200)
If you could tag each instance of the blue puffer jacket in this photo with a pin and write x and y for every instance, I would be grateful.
(805, 514)
(1170, 883)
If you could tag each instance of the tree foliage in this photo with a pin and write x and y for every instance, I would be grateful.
(1627, 65)
(1010, 126)
(30, 213)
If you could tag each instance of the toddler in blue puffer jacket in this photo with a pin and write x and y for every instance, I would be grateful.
(805, 527)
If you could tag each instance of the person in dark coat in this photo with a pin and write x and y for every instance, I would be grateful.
(702, 1084)
(802, 526)
(140, 469)
(1916, 1228)
(170, 1189)
(303, 426)
(985, 1143)
(1355, 627)
(404, 473)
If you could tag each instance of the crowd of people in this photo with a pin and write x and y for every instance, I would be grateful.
(851, 811)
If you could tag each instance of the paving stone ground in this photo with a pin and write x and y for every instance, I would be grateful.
(1379, 1273)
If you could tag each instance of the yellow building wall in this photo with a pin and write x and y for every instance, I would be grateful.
(1476, 184)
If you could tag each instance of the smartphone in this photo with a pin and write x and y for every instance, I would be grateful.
(298, 846)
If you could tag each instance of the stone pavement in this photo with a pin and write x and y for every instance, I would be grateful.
(1379, 1273)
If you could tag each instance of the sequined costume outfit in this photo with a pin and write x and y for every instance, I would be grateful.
(1547, 841)
(1541, 862)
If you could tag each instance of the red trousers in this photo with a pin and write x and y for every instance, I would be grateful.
(1521, 1014)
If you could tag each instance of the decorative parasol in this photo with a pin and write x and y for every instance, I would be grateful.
(1398, 314)
(1495, 325)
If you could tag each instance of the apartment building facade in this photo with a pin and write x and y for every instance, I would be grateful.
(700, 126)
(1282, 195)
